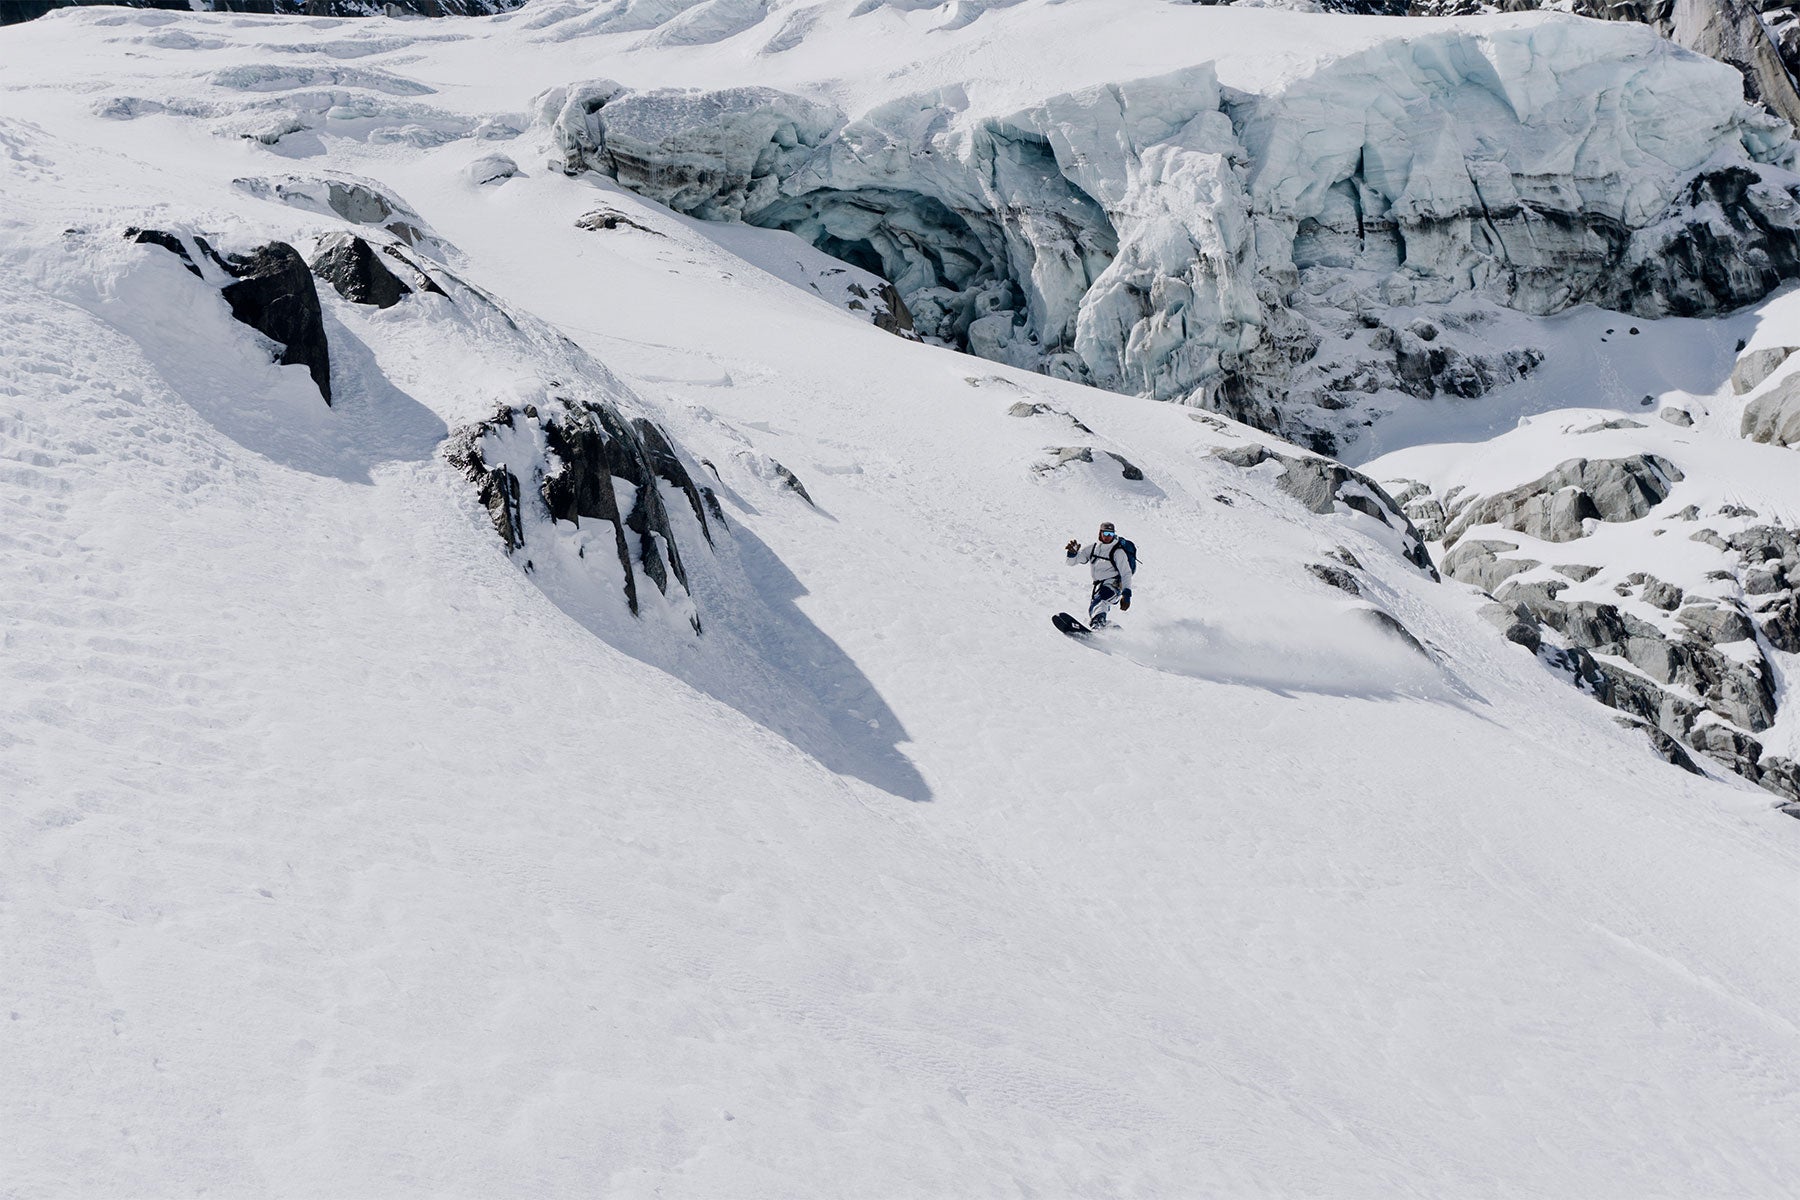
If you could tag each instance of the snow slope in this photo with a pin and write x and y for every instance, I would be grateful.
(345, 856)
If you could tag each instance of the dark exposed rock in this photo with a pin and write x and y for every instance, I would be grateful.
(1421, 508)
(1125, 466)
(1780, 623)
(1539, 595)
(1665, 596)
(168, 241)
(1677, 416)
(1666, 747)
(579, 449)
(1515, 623)
(1782, 776)
(1579, 572)
(888, 312)
(606, 218)
(791, 481)
(1735, 245)
(1336, 577)
(357, 201)
(891, 313)
(421, 278)
(1581, 669)
(351, 266)
(498, 491)
(1384, 621)
(1615, 423)
(1736, 750)
(274, 295)
(1423, 366)
(1630, 692)
(1764, 580)
(1063, 455)
(1321, 484)
(667, 465)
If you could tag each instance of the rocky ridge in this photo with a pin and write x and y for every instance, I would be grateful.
(1699, 667)
(580, 457)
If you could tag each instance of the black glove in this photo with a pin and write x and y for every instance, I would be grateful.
(1073, 547)
(1125, 601)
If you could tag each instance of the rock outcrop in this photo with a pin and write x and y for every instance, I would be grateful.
(269, 289)
(1774, 416)
(1322, 486)
(1692, 668)
(274, 295)
(569, 461)
(1554, 507)
(353, 269)
(1753, 368)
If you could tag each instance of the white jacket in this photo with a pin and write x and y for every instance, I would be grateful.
(1104, 565)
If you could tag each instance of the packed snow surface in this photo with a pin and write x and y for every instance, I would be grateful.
(344, 855)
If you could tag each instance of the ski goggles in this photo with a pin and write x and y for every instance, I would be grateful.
(1107, 535)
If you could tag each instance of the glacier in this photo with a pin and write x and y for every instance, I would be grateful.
(1172, 238)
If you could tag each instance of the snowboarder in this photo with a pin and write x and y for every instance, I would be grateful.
(1110, 560)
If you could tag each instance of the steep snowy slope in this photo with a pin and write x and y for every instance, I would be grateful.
(347, 853)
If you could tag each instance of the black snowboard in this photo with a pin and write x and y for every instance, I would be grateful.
(1071, 626)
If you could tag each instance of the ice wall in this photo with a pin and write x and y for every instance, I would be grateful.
(1163, 237)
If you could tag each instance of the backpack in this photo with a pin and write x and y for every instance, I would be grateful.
(1130, 549)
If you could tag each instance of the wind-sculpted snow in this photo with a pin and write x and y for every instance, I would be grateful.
(1164, 238)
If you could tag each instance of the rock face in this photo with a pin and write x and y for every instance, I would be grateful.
(354, 270)
(1752, 368)
(1321, 485)
(1553, 508)
(569, 461)
(1235, 252)
(274, 295)
(1774, 417)
(1692, 668)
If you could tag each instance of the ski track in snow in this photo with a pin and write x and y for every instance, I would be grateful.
(343, 857)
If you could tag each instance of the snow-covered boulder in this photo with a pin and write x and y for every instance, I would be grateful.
(1774, 416)
(540, 470)
(1755, 366)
